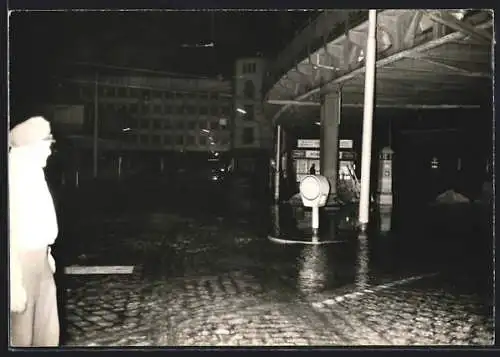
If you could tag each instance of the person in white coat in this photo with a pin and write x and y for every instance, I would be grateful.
(33, 229)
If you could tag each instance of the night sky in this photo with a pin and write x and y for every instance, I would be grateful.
(162, 40)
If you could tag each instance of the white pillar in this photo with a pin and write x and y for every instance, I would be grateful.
(371, 48)
(278, 164)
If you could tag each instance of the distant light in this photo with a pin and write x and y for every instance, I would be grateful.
(216, 153)
(242, 111)
(205, 131)
(126, 129)
(215, 178)
(318, 123)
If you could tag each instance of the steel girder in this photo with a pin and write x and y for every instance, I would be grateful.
(412, 38)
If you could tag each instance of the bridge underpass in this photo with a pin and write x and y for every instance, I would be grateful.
(426, 60)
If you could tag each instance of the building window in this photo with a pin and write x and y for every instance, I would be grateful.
(249, 113)
(84, 92)
(190, 109)
(167, 124)
(191, 125)
(248, 137)
(190, 140)
(133, 123)
(156, 139)
(249, 90)
(157, 124)
(144, 108)
(133, 108)
(134, 92)
(167, 140)
(202, 140)
(179, 110)
(226, 111)
(169, 95)
(249, 67)
(144, 139)
(167, 109)
(122, 92)
(142, 123)
(214, 110)
(179, 140)
(157, 109)
(179, 124)
(203, 110)
(204, 124)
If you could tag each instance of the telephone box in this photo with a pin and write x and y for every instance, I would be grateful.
(385, 177)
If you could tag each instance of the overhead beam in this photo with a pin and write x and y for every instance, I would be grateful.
(391, 106)
(383, 62)
(462, 71)
(448, 20)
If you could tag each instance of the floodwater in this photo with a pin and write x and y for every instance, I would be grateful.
(230, 269)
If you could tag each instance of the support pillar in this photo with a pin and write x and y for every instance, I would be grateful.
(329, 142)
(277, 165)
(366, 150)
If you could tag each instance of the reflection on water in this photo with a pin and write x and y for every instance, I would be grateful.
(362, 262)
(313, 272)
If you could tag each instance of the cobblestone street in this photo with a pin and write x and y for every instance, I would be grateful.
(219, 282)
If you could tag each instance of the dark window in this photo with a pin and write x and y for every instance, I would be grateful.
(248, 137)
(249, 90)
(169, 95)
(157, 124)
(167, 124)
(249, 115)
(191, 125)
(202, 140)
(144, 108)
(155, 139)
(179, 124)
(144, 139)
(157, 109)
(190, 109)
(190, 140)
(167, 140)
(179, 140)
(214, 110)
(226, 110)
(203, 124)
(134, 92)
(203, 110)
(144, 123)
(180, 110)
(133, 108)
(122, 92)
(167, 109)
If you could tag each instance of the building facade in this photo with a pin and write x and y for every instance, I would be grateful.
(167, 116)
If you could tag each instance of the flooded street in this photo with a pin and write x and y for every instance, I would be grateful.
(230, 276)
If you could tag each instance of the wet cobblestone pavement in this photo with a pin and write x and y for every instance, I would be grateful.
(218, 281)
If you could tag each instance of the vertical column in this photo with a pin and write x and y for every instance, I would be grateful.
(329, 141)
(366, 150)
(277, 165)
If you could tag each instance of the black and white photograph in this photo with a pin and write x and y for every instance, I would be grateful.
(250, 178)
